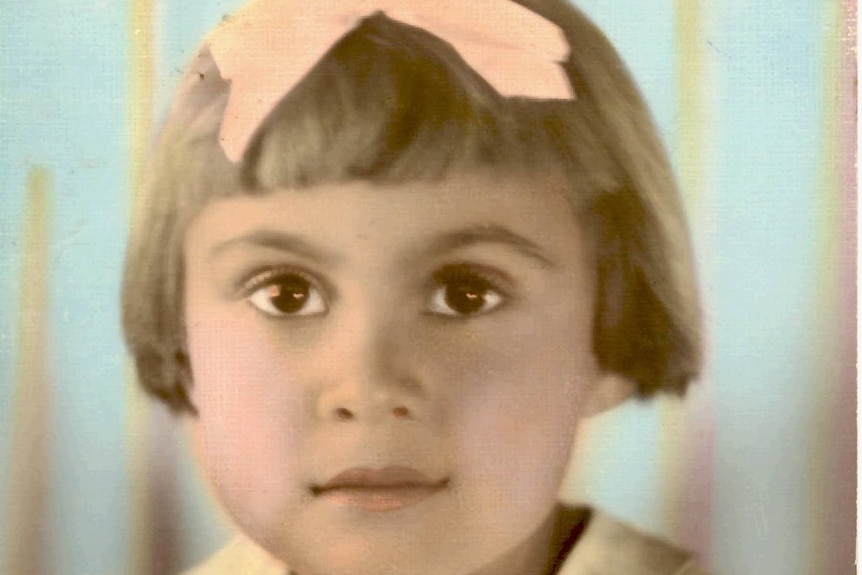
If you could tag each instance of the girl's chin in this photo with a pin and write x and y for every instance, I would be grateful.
(380, 556)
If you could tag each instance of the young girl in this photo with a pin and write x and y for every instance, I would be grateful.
(391, 253)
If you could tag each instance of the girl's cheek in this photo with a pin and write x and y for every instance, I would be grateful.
(248, 434)
(512, 376)
(243, 379)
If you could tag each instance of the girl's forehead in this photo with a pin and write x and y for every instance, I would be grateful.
(527, 213)
(533, 201)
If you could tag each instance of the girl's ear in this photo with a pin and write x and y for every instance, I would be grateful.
(608, 391)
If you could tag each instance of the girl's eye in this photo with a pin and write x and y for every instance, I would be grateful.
(286, 294)
(461, 293)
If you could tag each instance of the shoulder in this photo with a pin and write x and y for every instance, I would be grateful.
(239, 556)
(608, 546)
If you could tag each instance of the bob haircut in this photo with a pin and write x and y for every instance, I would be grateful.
(390, 103)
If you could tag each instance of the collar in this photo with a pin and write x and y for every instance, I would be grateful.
(611, 547)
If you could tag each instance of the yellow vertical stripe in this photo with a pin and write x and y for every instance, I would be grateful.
(141, 67)
(691, 87)
(674, 424)
(31, 401)
(141, 84)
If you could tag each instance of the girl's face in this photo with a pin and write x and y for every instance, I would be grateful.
(389, 380)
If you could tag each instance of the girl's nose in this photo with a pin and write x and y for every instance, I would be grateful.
(372, 377)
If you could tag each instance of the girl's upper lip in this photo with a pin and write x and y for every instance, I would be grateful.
(365, 478)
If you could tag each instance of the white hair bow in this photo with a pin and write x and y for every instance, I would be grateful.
(270, 45)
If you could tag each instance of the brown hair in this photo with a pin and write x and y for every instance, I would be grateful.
(388, 103)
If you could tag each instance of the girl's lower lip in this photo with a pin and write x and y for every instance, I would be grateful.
(380, 498)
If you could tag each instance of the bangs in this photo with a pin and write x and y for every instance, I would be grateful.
(390, 103)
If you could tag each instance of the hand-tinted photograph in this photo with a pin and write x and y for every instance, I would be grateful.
(398, 287)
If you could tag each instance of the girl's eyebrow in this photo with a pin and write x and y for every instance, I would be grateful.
(449, 241)
(493, 234)
(278, 240)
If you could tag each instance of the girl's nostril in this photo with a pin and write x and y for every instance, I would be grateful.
(400, 411)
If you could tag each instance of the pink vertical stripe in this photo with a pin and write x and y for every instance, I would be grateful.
(842, 529)
(831, 511)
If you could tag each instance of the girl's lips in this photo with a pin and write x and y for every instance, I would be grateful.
(387, 489)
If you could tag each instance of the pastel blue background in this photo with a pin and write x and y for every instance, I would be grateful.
(758, 226)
